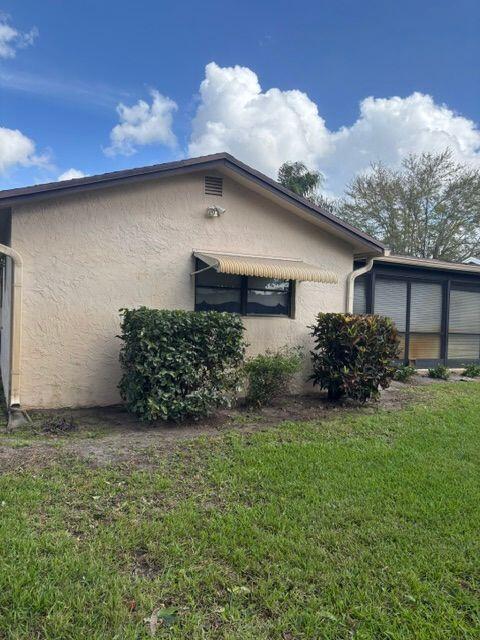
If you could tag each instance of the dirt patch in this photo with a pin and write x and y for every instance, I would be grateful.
(110, 435)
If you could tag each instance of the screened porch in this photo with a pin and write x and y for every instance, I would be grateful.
(437, 313)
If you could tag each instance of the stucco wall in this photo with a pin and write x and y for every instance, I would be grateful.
(88, 255)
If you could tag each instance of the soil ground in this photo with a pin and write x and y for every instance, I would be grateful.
(110, 435)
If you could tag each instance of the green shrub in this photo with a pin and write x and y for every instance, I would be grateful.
(353, 354)
(179, 364)
(439, 372)
(270, 374)
(404, 372)
(472, 370)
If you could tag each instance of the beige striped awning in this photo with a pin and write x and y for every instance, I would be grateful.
(261, 267)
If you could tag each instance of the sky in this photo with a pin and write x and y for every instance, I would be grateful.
(90, 87)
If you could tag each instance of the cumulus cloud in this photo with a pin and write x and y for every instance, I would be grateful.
(71, 174)
(143, 124)
(12, 39)
(267, 128)
(17, 149)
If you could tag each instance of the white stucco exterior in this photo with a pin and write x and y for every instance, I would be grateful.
(88, 254)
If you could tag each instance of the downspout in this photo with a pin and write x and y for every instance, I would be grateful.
(16, 415)
(354, 275)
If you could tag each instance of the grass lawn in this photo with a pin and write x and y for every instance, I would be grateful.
(364, 526)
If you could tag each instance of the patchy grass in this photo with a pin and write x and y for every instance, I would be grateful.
(364, 526)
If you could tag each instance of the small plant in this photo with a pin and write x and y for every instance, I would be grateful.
(439, 372)
(353, 354)
(179, 365)
(270, 374)
(472, 370)
(404, 372)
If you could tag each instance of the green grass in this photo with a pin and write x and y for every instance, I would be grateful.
(365, 526)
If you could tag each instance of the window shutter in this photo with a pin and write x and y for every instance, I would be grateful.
(391, 301)
(360, 295)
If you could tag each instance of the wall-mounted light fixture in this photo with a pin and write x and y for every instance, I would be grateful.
(215, 211)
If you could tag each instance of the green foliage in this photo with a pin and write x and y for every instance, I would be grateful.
(296, 177)
(428, 208)
(353, 354)
(179, 364)
(472, 370)
(270, 374)
(404, 372)
(439, 372)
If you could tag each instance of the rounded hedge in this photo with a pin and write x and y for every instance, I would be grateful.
(353, 354)
(179, 364)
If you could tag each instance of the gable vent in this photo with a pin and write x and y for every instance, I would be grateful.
(213, 186)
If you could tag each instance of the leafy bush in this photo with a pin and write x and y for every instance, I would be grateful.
(472, 370)
(179, 364)
(269, 374)
(439, 372)
(353, 354)
(404, 372)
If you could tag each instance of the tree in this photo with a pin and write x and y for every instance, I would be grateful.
(296, 177)
(429, 208)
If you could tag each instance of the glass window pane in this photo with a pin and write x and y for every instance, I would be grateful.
(424, 346)
(267, 303)
(464, 311)
(463, 346)
(269, 284)
(217, 300)
(211, 278)
(360, 295)
(426, 307)
(391, 301)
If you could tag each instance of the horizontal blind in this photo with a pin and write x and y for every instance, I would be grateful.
(464, 311)
(426, 308)
(391, 301)
(360, 295)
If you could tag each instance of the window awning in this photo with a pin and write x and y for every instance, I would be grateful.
(278, 268)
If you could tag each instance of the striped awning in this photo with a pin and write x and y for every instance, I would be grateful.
(261, 267)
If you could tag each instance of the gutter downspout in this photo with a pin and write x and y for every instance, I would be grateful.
(15, 414)
(354, 275)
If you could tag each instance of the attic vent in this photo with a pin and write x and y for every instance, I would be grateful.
(213, 186)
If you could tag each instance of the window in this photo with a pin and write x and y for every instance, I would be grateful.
(391, 301)
(464, 324)
(426, 302)
(246, 295)
(416, 308)
(360, 295)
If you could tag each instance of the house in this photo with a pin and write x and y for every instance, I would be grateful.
(77, 251)
(203, 233)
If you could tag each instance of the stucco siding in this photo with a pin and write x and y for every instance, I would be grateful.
(87, 255)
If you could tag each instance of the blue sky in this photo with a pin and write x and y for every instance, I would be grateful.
(70, 64)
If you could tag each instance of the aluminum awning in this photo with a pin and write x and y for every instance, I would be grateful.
(261, 267)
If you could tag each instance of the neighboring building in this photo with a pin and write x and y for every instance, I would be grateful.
(435, 305)
(91, 246)
(472, 260)
(205, 233)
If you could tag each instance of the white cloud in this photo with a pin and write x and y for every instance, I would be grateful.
(12, 39)
(143, 124)
(17, 149)
(71, 174)
(268, 128)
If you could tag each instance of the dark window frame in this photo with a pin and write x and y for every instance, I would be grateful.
(244, 289)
